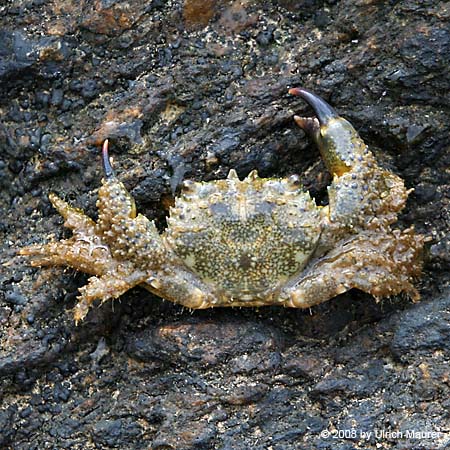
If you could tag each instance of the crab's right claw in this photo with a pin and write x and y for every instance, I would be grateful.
(338, 142)
(324, 112)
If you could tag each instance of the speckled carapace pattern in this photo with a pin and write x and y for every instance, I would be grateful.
(251, 242)
(247, 237)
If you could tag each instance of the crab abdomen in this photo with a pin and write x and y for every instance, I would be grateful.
(244, 238)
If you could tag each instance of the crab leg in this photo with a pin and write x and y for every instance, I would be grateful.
(379, 264)
(84, 251)
(111, 285)
(86, 255)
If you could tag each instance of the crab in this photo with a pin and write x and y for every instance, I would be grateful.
(259, 241)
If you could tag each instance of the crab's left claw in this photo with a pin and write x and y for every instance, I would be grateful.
(115, 205)
(338, 142)
(107, 168)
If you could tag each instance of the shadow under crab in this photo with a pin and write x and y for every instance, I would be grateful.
(252, 242)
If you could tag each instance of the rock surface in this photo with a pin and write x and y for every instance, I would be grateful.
(190, 89)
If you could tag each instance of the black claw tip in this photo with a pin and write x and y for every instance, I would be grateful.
(107, 168)
(324, 112)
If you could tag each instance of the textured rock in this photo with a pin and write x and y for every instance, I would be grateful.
(423, 329)
(188, 89)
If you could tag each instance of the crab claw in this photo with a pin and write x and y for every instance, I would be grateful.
(107, 168)
(338, 142)
(323, 110)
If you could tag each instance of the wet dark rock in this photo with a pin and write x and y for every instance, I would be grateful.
(247, 364)
(175, 343)
(266, 37)
(61, 392)
(89, 89)
(302, 366)
(425, 192)
(100, 352)
(31, 355)
(226, 144)
(113, 433)
(441, 249)
(16, 53)
(322, 19)
(332, 386)
(423, 328)
(191, 89)
(56, 97)
(246, 394)
(15, 298)
(20, 53)
(7, 417)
